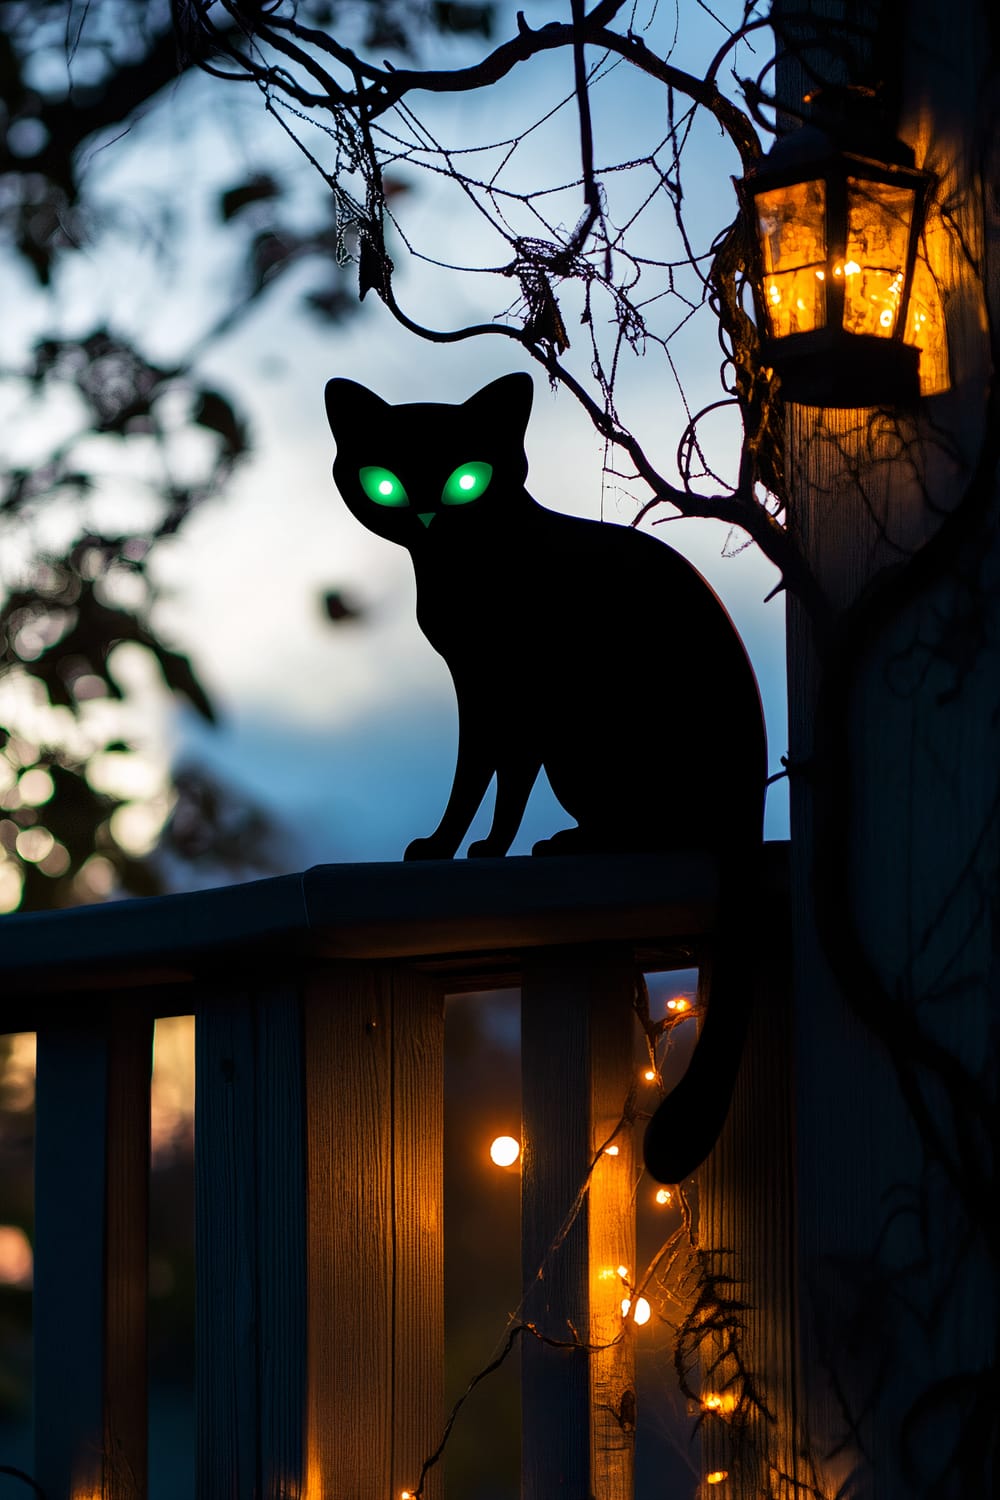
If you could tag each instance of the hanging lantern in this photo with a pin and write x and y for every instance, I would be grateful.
(837, 230)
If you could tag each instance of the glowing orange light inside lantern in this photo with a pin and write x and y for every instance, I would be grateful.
(650, 1075)
(505, 1150)
(611, 1150)
(678, 1003)
(663, 1195)
(717, 1476)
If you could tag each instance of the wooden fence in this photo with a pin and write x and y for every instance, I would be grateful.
(318, 1143)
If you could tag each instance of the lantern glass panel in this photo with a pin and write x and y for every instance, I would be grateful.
(792, 226)
(878, 232)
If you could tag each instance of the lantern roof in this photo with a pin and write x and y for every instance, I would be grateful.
(846, 124)
(813, 144)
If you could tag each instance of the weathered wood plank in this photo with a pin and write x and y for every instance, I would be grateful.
(126, 1254)
(418, 1206)
(281, 1245)
(577, 1227)
(250, 1240)
(226, 1223)
(91, 1237)
(348, 1018)
(611, 1226)
(353, 911)
(374, 1060)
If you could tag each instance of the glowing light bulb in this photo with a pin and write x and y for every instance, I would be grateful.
(678, 1003)
(643, 1311)
(714, 1402)
(385, 488)
(886, 317)
(663, 1195)
(820, 275)
(717, 1476)
(650, 1075)
(611, 1150)
(467, 481)
(852, 268)
(623, 1272)
(774, 293)
(505, 1150)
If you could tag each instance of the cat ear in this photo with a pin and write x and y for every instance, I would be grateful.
(352, 408)
(510, 396)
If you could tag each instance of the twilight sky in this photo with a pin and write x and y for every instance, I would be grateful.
(347, 734)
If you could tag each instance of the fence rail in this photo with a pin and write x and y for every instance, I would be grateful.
(318, 1154)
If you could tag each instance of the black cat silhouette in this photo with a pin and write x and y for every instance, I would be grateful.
(590, 649)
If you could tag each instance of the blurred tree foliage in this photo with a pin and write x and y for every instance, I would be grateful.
(85, 408)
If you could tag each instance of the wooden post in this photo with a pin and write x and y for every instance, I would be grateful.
(250, 1244)
(896, 1310)
(374, 1048)
(91, 1241)
(577, 1223)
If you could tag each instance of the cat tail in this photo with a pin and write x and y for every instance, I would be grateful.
(689, 1121)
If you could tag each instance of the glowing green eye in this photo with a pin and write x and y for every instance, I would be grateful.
(382, 486)
(466, 483)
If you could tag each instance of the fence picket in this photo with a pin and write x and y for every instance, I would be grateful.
(577, 1032)
(250, 1241)
(91, 1237)
(374, 1063)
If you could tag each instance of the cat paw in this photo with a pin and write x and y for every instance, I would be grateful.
(429, 848)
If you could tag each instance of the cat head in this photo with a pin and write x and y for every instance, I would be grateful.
(420, 473)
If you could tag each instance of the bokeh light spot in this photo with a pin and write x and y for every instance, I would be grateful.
(505, 1150)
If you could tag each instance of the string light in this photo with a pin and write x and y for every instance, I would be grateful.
(505, 1150)
(643, 1311)
(611, 1150)
(650, 1075)
(678, 1003)
(717, 1476)
(663, 1196)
